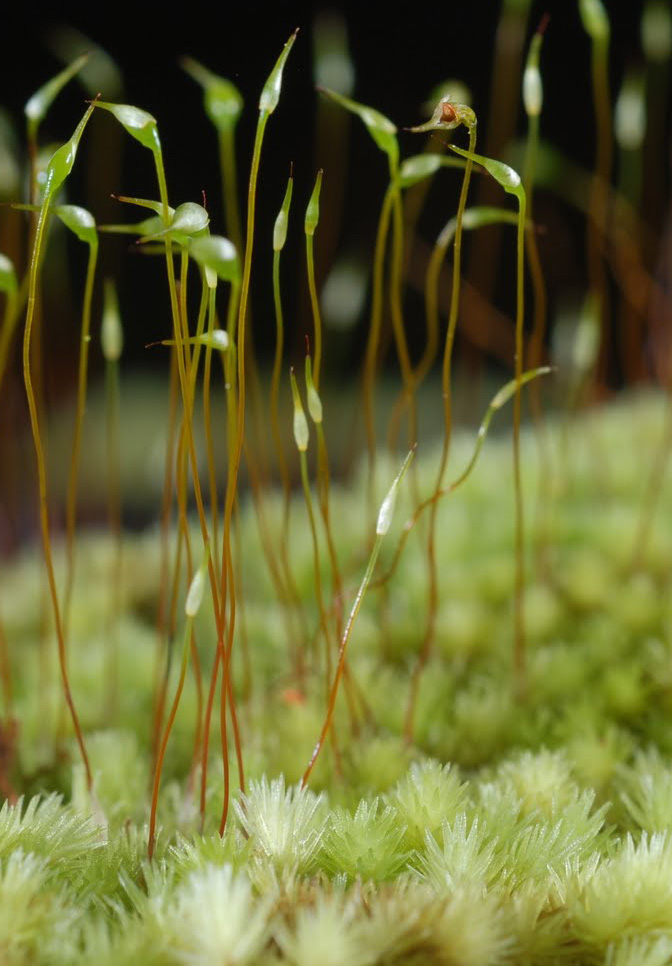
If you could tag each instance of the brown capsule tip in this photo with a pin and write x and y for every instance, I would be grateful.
(448, 113)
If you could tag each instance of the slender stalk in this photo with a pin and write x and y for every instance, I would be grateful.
(229, 365)
(301, 438)
(58, 170)
(209, 296)
(151, 844)
(267, 104)
(315, 407)
(71, 498)
(112, 394)
(192, 605)
(533, 98)
(519, 658)
(371, 353)
(165, 624)
(229, 173)
(182, 353)
(596, 23)
(446, 386)
(501, 397)
(6, 676)
(382, 526)
(44, 511)
(396, 310)
(279, 240)
(324, 486)
(312, 216)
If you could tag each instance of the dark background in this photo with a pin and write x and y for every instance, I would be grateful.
(400, 53)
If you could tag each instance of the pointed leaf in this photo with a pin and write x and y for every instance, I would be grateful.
(300, 423)
(421, 166)
(508, 390)
(155, 206)
(502, 173)
(381, 129)
(190, 218)
(216, 339)
(417, 168)
(281, 222)
(481, 215)
(312, 396)
(139, 124)
(194, 599)
(499, 399)
(80, 221)
(477, 217)
(270, 94)
(63, 159)
(38, 105)
(187, 220)
(149, 226)
(218, 254)
(313, 209)
(387, 506)
(222, 100)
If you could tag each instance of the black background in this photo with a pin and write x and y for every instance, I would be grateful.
(400, 52)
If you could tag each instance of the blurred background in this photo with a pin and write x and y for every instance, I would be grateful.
(394, 62)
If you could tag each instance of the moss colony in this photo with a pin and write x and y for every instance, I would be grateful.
(526, 831)
(417, 710)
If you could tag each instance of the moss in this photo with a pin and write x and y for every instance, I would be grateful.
(481, 679)
(540, 834)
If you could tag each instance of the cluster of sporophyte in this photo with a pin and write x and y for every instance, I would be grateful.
(341, 720)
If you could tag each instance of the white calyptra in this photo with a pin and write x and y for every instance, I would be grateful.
(387, 506)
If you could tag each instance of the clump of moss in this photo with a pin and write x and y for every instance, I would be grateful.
(416, 714)
(518, 854)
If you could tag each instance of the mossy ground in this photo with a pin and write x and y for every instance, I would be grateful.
(514, 829)
(495, 783)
